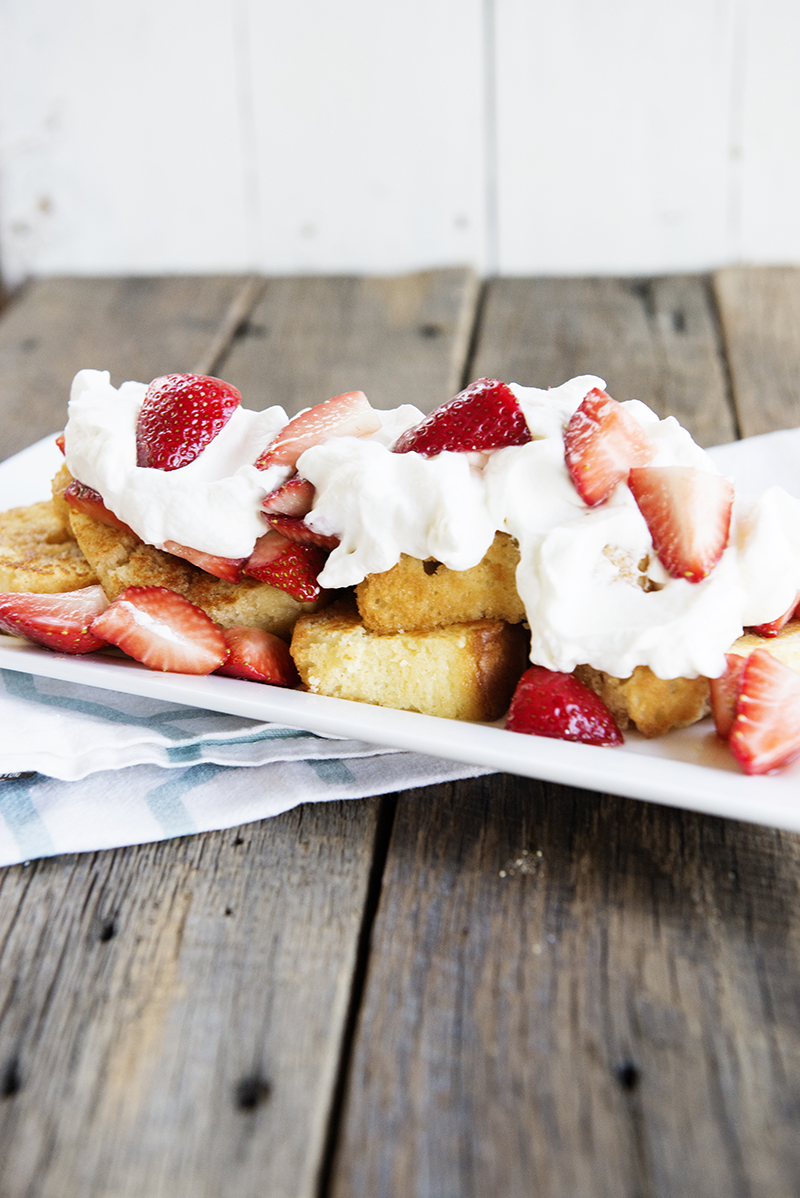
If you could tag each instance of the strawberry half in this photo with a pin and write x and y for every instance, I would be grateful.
(773, 627)
(688, 515)
(766, 731)
(180, 415)
(85, 499)
(289, 567)
(548, 703)
(163, 630)
(61, 622)
(601, 444)
(725, 692)
(300, 533)
(259, 656)
(228, 568)
(485, 415)
(294, 498)
(348, 415)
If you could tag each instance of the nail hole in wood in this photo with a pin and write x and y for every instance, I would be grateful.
(10, 1080)
(628, 1075)
(229, 910)
(431, 566)
(430, 330)
(108, 930)
(237, 842)
(251, 1092)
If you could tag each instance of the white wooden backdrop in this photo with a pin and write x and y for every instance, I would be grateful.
(522, 136)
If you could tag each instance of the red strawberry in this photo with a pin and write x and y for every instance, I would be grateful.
(296, 530)
(484, 416)
(725, 692)
(766, 731)
(258, 655)
(294, 498)
(59, 622)
(773, 627)
(180, 415)
(90, 502)
(688, 514)
(163, 630)
(348, 415)
(229, 568)
(601, 444)
(547, 703)
(289, 567)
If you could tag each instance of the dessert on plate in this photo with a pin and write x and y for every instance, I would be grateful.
(425, 562)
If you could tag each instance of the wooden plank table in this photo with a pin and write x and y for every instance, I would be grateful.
(497, 986)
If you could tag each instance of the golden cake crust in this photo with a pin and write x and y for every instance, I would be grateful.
(653, 705)
(38, 553)
(464, 671)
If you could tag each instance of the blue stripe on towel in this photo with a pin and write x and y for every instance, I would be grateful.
(25, 823)
(166, 801)
(332, 771)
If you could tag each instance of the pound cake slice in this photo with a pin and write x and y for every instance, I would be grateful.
(652, 705)
(464, 671)
(38, 553)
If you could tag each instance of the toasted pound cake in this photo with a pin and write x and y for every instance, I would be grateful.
(38, 552)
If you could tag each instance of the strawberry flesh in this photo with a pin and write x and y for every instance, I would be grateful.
(766, 730)
(61, 442)
(725, 692)
(484, 416)
(549, 703)
(773, 627)
(163, 630)
(287, 566)
(294, 498)
(181, 414)
(228, 568)
(688, 515)
(258, 656)
(601, 444)
(61, 621)
(296, 530)
(85, 499)
(347, 415)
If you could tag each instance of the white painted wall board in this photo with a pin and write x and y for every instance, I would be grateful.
(369, 133)
(613, 127)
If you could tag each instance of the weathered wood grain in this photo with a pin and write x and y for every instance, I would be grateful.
(171, 1015)
(572, 994)
(401, 340)
(650, 339)
(760, 315)
(136, 328)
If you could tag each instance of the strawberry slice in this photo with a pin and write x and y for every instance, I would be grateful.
(61, 442)
(300, 533)
(773, 627)
(601, 443)
(725, 692)
(548, 703)
(61, 622)
(348, 415)
(766, 731)
(688, 514)
(485, 415)
(181, 414)
(289, 567)
(229, 568)
(85, 499)
(259, 656)
(294, 498)
(163, 630)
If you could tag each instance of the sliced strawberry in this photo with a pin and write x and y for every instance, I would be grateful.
(601, 444)
(258, 655)
(548, 703)
(85, 499)
(300, 533)
(725, 692)
(485, 415)
(229, 568)
(61, 442)
(773, 627)
(688, 514)
(289, 567)
(181, 414)
(61, 622)
(766, 731)
(163, 630)
(348, 415)
(294, 498)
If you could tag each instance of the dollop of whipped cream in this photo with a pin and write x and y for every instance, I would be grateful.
(213, 504)
(593, 588)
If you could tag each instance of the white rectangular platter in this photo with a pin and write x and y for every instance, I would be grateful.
(691, 769)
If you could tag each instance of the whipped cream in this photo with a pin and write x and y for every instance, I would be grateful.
(593, 589)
